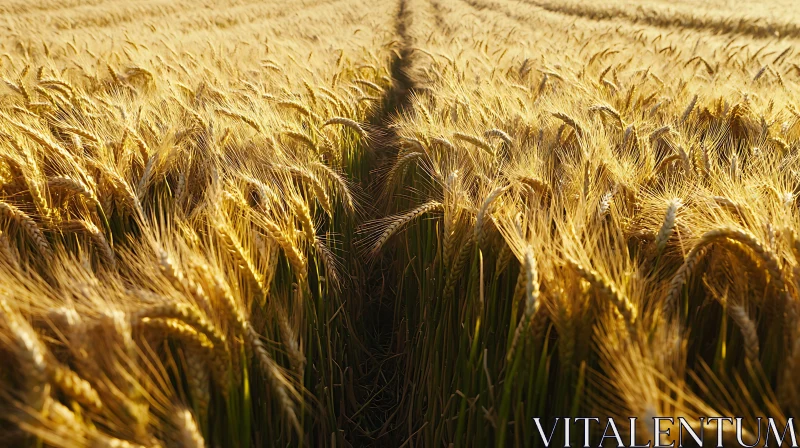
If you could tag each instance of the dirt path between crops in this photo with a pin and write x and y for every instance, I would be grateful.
(378, 382)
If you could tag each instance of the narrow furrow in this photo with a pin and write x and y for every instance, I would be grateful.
(378, 383)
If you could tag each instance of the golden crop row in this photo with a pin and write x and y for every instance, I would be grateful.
(614, 225)
(179, 188)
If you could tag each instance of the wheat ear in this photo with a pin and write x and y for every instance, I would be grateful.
(291, 342)
(531, 298)
(292, 252)
(294, 105)
(183, 313)
(80, 132)
(6, 252)
(302, 138)
(341, 184)
(189, 434)
(352, 124)
(607, 289)
(75, 387)
(280, 386)
(570, 122)
(659, 133)
(250, 122)
(244, 262)
(199, 353)
(329, 262)
(31, 228)
(398, 222)
(502, 135)
(319, 190)
(668, 226)
(304, 216)
(748, 328)
(180, 281)
(689, 109)
(98, 239)
(447, 144)
(43, 140)
(400, 166)
(746, 238)
(458, 266)
(609, 111)
(484, 210)
(474, 141)
(31, 354)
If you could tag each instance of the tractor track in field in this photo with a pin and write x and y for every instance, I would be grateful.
(437, 14)
(722, 27)
(731, 27)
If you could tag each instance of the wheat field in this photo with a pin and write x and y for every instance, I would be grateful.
(425, 223)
